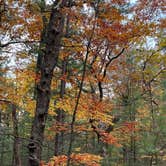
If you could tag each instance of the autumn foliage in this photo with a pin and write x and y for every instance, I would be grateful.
(83, 82)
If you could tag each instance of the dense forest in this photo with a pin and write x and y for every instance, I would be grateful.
(83, 83)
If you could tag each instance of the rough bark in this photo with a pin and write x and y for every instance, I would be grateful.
(49, 61)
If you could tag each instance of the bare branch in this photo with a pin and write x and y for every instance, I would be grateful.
(17, 42)
(110, 60)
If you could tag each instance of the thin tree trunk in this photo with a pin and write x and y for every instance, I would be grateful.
(77, 101)
(2, 151)
(16, 161)
(59, 137)
(49, 61)
(2, 141)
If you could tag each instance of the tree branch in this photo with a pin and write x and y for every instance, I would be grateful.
(17, 42)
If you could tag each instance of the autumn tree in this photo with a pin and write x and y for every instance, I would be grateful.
(90, 72)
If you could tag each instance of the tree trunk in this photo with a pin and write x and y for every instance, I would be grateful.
(2, 141)
(2, 150)
(49, 61)
(59, 137)
(16, 161)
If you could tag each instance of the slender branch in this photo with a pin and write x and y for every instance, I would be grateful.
(111, 59)
(105, 72)
(5, 101)
(78, 97)
(76, 106)
(157, 74)
(17, 42)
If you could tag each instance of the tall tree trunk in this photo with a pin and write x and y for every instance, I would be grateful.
(2, 150)
(2, 141)
(49, 60)
(59, 137)
(16, 161)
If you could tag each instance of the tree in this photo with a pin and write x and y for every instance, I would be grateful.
(94, 70)
(48, 63)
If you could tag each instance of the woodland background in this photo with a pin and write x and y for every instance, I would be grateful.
(83, 83)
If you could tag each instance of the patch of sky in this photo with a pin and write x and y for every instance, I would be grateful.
(150, 43)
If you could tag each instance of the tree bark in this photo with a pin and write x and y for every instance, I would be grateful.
(49, 61)
(59, 137)
(16, 161)
(2, 141)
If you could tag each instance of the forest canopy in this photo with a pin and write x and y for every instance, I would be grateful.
(82, 82)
